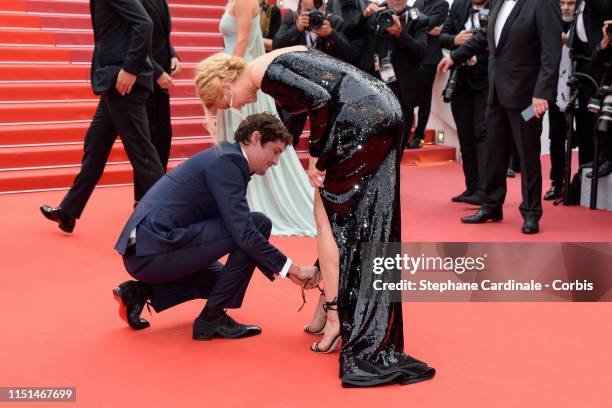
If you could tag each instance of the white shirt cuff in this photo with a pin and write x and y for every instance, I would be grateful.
(285, 270)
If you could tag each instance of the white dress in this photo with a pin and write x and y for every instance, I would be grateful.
(283, 193)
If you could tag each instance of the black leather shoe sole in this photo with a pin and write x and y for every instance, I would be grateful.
(123, 311)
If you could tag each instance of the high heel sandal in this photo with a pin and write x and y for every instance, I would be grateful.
(320, 331)
(333, 305)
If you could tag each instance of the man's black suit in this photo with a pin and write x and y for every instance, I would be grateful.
(524, 65)
(406, 52)
(469, 103)
(158, 106)
(122, 33)
(436, 12)
(335, 45)
(192, 217)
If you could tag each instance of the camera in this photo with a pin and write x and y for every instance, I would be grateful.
(453, 80)
(384, 18)
(451, 85)
(317, 18)
(602, 105)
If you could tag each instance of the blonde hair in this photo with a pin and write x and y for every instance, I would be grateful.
(210, 76)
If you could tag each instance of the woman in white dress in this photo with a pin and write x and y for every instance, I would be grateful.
(284, 194)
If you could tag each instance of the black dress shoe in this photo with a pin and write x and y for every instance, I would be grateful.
(468, 198)
(223, 326)
(531, 226)
(554, 193)
(415, 143)
(64, 222)
(604, 169)
(483, 216)
(131, 302)
(459, 198)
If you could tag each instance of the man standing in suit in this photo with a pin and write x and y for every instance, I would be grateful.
(393, 54)
(436, 11)
(469, 101)
(296, 30)
(197, 214)
(121, 72)
(165, 66)
(524, 39)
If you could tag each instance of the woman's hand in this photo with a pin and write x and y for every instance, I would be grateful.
(315, 176)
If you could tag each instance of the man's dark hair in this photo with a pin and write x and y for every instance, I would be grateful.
(270, 127)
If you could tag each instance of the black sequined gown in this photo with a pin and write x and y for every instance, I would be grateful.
(355, 131)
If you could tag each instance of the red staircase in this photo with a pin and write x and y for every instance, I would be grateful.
(46, 102)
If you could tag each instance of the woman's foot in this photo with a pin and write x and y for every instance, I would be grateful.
(331, 333)
(317, 324)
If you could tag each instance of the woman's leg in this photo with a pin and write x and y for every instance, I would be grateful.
(329, 262)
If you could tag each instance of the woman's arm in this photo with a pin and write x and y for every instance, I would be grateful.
(243, 15)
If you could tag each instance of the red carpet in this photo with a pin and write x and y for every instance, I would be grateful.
(60, 324)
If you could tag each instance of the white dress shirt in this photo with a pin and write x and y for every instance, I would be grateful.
(502, 17)
(473, 20)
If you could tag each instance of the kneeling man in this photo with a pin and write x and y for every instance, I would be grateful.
(195, 215)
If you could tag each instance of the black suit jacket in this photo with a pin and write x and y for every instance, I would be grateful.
(525, 64)
(335, 45)
(163, 51)
(475, 76)
(436, 11)
(407, 51)
(122, 35)
(210, 185)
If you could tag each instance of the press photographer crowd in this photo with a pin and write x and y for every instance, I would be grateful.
(510, 63)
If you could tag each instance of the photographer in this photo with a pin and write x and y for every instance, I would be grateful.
(524, 41)
(468, 97)
(394, 42)
(314, 28)
(436, 12)
(270, 20)
(602, 61)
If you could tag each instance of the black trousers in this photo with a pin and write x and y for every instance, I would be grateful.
(504, 126)
(126, 115)
(407, 113)
(469, 107)
(585, 122)
(158, 110)
(425, 79)
(193, 271)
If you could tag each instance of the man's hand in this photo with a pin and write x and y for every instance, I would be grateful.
(435, 32)
(540, 106)
(371, 9)
(303, 21)
(325, 30)
(564, 38)
(396, 29)
(315, 176)
(165, 81)
(462, 37)
(306, 277)
(605, 41)
(125, 82)
(445, 64)
(175, 67)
